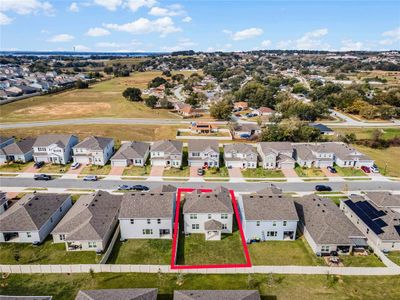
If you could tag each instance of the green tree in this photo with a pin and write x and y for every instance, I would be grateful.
(132, 94)
(151, 101)
(156, 82)
(221, 110)
(81, 84)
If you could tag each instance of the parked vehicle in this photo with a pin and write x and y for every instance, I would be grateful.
(374, 169)
(75, 165)
(38, 164)
(331, 169)
(323, 188)
(90, 178)
(200, 172)
(140, 187)
(124, 187)
(366, 169)
(42, 177)
(245, 136)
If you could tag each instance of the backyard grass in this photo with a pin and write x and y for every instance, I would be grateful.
(195, 250)
(216, 172)
(142, 252)
(395, 257)
(96, 170)
(54, 168)
(261, 173)
(283, 253)
(361, 261)
(271, 286)
(137, 171)
(15, 167)
(308, 172)
(349, 171)
(46, 253)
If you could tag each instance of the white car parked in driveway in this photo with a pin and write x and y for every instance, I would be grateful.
(75, 165)
(374, 169)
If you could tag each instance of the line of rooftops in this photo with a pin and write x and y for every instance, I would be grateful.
(265, 215)
(95, 150)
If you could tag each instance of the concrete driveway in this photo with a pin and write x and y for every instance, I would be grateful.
(235, 173)
(289, 173)
(31, 169)
(117, 171)
(327, 173)
(76, 171)
(156, 171)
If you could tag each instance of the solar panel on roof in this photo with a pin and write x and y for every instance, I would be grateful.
(380, 223)
(364, 217)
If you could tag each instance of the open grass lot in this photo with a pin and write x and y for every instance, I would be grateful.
(361, 261)
(99, 100)
(141, 252)
(283, 253)
(316, 287)
(349, 172)
(118, 132)
(216, 172)
(308, 172)
(388, 158)
(137, 171)
(395, 257)
(96, 170)
(15, 167)
(53, 168)
(366, 133)
(47, 253)
(262, 173)
(195, 250)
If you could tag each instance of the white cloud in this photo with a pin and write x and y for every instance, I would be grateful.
(97, 31)
(266, 43)
(187, 19)
(4, 19)
(170, 11)
(73, 7)
(61, 38)
(108, 45)
(163, 26)
(119, 46)
(349, 45)
(183, 44)
(244, 34)
(284, 45)
(134, 5)
(109, 4)
(81, 48)
(312, 40)
(25, 7)
(391, 37)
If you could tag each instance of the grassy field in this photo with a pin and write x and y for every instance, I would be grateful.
(137, 171)
(216, 172)
(261, 173)
(118, 132)
(384, 159)
(308, 172)
(361, 261)
(271, 287)
(395, 257)
(47, 253)
(141, 252)
(15, 167)
(195, 250)
(283, 253)
(349, 172)
(100, 100)
(96, 170)
(366, 133)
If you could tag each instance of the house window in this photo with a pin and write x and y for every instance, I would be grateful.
(158, 221)
(258, 223)
(272, 233)
(224, 216)
(209, 216)
(195, 226)
(60, 208)
(193, 216)
(51, 220)
(148, 221)
(273, 223)
(284, 223)
(41, 149)
(224, 226)
(62, 237)
(132, 221)
(147, 231)
(324, 248)
(28, 234)
(195, 154)
(92, 244)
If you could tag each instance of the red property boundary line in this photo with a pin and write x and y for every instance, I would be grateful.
(176, 235)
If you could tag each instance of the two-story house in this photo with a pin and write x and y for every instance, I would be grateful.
(314, 155)
(276, 155)
(348, 157)
(203, 153)
(210, 214)
(166, 153)
(131, 154)
(94, 150)
(54, 148)
(19, 151)
(147, 215)
(240, 156)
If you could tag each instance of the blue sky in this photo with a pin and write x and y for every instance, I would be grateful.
(227, 25)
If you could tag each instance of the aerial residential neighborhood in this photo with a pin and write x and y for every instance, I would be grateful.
(199, 150)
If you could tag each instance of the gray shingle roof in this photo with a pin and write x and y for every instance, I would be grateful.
(20, 147)
(168, 146)
(218, 201)
(247, 127)
(202, 145)
(384, 199)
(25, 297)
(240, 148)
(269, 208)
(94, 143)
(217, 295)
(147, 205)
(118, 294)
(45, 140)
(3, 198)
(132, 150)
(90, 218)
(165, 188)
(324, 221)
(212, 225)
(271, 189)
(276, 147)
(31, 212)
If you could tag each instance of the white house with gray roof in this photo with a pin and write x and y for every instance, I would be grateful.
(94, 150)
(131, 154)
(276, 155)
(33, 217)
(6, 140)
(166, 153)
(90, 223)
(19, 151)
(240, 156)
(216, 295)
(377, 216)
(117, 294)
(147, 215)
(208, 213)
(54, 148)
(268, 217)
(203, 153)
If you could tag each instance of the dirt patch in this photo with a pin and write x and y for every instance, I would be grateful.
(65, 109)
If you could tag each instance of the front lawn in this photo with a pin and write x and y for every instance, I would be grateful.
(46, 253)
(137, 171)
(261, 173)
(344, 172)
(141, 252)
(15, 167)
(195, 250)
(394, 256)
(283, 253)
(370, 260)
(216, 172)
(54, 168)
(308, 172)
(96, 170)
